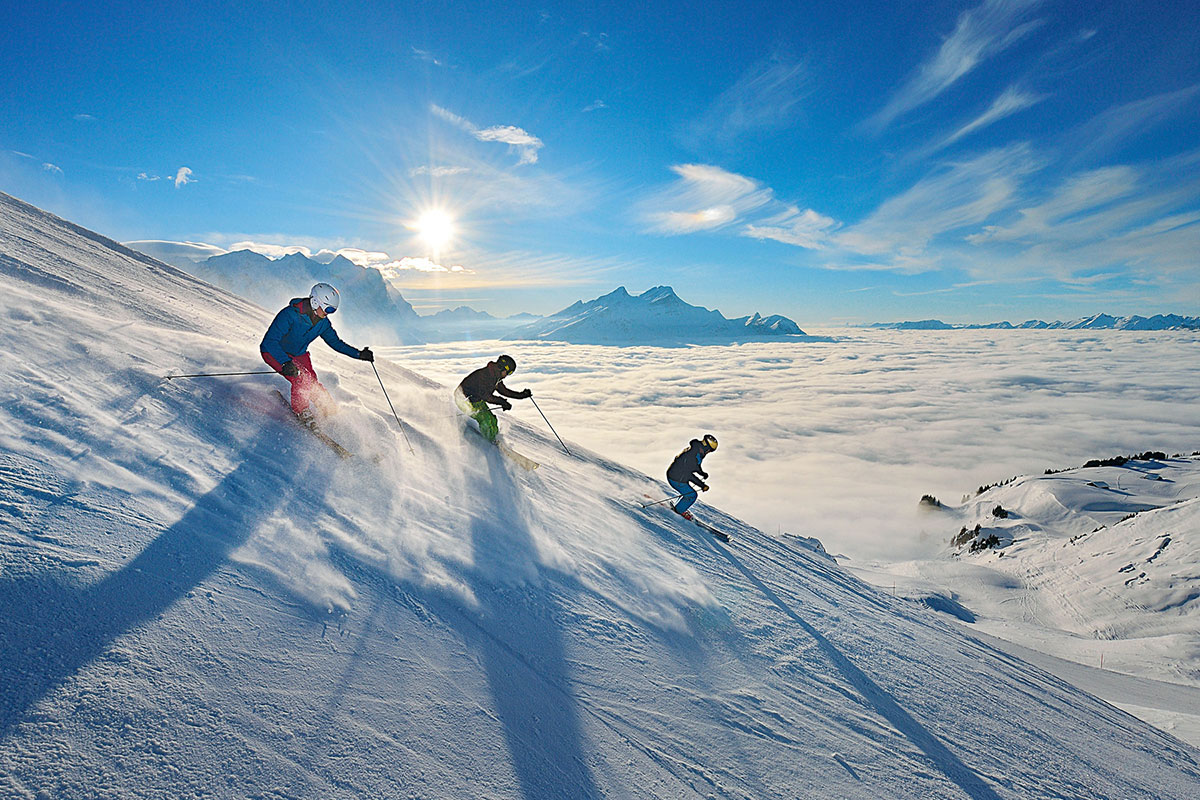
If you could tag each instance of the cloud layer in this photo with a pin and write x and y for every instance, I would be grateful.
(840, 439)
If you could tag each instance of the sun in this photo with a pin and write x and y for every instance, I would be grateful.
(435, 227)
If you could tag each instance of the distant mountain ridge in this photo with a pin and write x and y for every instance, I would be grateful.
(657, 316)
(381, 313)
(1159, 322)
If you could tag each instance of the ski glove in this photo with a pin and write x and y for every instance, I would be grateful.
(507, 406)
(366, 355)
(524, 394)
(704, 487)
(703, 474)
(289, 369)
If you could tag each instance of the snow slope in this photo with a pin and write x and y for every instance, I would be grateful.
(202, 601)
(1094, 567)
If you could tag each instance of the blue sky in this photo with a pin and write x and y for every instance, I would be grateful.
(971, 161)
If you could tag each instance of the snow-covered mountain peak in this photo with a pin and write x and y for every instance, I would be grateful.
(660, 294)
(656, 316)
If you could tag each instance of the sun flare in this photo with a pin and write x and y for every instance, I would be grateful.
(435, 227)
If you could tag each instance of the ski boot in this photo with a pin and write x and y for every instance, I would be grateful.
(308, 419)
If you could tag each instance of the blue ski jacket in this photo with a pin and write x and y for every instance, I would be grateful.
(292, 331)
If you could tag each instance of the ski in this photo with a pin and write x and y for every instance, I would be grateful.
(717, 532)
(525, 462)
(720, 534)
(324, 437)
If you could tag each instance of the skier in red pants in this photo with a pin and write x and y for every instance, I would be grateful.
(285, 348)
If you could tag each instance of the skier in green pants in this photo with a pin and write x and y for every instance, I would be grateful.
(486, 385)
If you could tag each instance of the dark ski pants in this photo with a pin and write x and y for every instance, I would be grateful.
(305, 386)
(689, 495)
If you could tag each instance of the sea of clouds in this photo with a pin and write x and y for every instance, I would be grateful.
(839, 439)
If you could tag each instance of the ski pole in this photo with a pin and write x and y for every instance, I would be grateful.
(551, 427)
(393, 408)
(216, 374)
(664, 500)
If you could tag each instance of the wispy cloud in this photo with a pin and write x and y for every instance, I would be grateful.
(85, 118)
(143, 176)
(524, 143)
(808, 229)
(595, 105)
(53, 169)
(438, 171)
(192, 251)
(183, 177)
(766, 96)
(709, 198)
(1081, 194)
(426, 56)
(1134, 221)
(1010, 101)
(704, 198)
(454, 119)
(598, 41)
(981, 33)
(953, 197)
(389, 265)
(1106, 132)
(270, 250)
(392, 269)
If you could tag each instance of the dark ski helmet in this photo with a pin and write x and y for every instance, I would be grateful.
(507, 364)
(710, 442)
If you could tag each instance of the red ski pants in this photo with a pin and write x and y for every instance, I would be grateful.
(305, 386)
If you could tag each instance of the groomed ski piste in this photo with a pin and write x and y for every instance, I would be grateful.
(201, 601)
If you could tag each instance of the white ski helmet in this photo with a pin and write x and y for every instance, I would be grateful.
(325, 297)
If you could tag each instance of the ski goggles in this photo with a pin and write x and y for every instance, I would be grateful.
(327, 309)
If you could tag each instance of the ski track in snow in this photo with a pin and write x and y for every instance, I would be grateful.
(201, 603)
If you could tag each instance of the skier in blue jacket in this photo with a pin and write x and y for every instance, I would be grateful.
(285, 347)
(686, 470)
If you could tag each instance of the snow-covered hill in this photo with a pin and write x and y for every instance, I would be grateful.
(1098, 565)
(656, 316)
(202, 601)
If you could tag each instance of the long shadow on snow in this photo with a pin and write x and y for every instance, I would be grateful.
(941, 756)
(48, 631)
(525, 658)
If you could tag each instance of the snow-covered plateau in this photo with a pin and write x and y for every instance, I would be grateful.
(203, 601)
(1093, 573)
